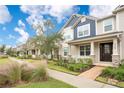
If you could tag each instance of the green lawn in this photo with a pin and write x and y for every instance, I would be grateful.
(104, 80)
(51, 83)
(31, 60)
(52, 65)
(4, 60)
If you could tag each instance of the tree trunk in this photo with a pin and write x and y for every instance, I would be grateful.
(51, 55)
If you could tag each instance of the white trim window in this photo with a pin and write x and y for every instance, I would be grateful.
(108, 25)
(83, 31)
(66, 51)
(85, 50)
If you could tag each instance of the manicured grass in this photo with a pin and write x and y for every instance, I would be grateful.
(30, 60)
(104, 80)
(51, 83)
(120, 84)
(101, 79)
(4, 60)
(52, 65)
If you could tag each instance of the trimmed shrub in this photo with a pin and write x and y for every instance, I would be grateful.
(71, 60)
(108, 72)
(80, 60)
(78, 67)
(61, 63)
(22, 57)
(119, 75)
(87, 61)
(3, 56)
(82, 64)
(29, 56)
(70, 67)
(115, 73)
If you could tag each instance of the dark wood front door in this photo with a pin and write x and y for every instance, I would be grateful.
(106, 52)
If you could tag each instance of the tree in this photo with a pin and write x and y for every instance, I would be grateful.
(2, 48)
(11, 52)
(47, 41)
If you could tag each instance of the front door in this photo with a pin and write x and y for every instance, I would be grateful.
(106, 52)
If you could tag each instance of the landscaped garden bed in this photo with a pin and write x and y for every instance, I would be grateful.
(113, 76)
(53, 65)
(71, 66)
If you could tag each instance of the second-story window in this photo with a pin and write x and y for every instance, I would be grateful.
(107, 25)
(83, 31)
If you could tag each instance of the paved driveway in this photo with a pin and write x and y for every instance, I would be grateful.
(77, 81)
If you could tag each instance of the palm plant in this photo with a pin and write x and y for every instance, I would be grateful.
(47, 41)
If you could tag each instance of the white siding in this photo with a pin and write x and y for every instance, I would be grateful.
(100, 25)
(120, 21)
(66, 31)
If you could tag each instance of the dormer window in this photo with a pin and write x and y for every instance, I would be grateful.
(83, 31)
(108, 25)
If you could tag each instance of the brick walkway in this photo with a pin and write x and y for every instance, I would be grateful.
(92, 73)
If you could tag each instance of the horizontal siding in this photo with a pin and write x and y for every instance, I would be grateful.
(92, 28)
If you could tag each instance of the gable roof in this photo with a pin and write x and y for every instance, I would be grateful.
(105, 17)
(76, 21)
(69, 20)
(118, 8)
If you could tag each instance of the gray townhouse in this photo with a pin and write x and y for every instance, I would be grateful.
(101, 39)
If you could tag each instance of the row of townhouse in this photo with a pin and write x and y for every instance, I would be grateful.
(100, 39)
(28, 49)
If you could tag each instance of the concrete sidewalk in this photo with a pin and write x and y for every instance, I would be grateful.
(77, 81)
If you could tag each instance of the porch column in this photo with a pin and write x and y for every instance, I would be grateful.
(115, 55)
(92, 54)
(92, 48)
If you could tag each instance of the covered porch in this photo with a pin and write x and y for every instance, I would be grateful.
(104, 50)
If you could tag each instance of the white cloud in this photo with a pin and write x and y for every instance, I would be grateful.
(59, 12)
(21, 24)
(101, 10)
(4, 15)
(4, 28)
(11, 36)
(37, 13)
(21, 30)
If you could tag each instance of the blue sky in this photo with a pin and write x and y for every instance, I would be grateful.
(16, 21)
